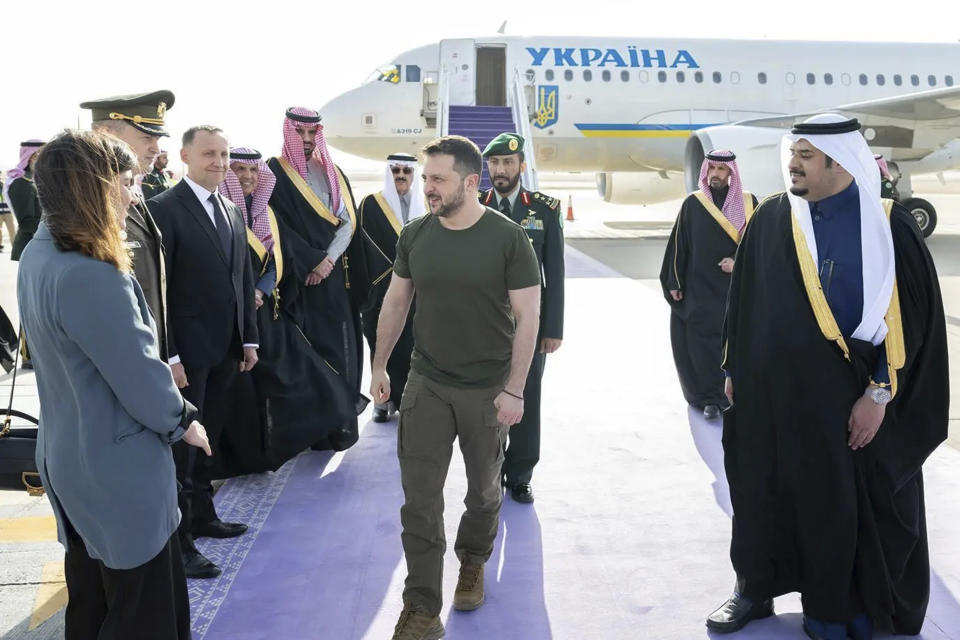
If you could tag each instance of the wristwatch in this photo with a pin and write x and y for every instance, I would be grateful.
(879, 395)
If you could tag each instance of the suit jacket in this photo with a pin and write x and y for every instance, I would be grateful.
(110, 409)
(210, 296)
(143, 240)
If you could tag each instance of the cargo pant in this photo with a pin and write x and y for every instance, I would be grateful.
(432, 416)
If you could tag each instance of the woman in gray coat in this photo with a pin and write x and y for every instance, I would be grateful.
(109, 409)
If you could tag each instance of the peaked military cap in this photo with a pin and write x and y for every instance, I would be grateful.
(144, 111)
(504, 144)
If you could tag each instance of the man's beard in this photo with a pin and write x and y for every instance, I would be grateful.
(799, 191)
(308, 150)
(401, 182)
(511, 185)
(446, 208)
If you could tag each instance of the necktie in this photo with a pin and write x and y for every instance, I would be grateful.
(248, 200)
(223, 229)
(505, 207)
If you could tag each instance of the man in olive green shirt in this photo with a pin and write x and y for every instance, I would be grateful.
(477, 284)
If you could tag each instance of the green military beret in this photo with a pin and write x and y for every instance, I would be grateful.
(504, 144)
(144, 111)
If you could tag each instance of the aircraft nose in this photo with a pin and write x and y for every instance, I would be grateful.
(343, 116)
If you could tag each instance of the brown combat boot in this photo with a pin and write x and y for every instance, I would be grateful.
(469, 593)
(417, 624)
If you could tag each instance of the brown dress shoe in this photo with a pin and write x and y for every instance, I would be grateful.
(469, 593)
(417, 624)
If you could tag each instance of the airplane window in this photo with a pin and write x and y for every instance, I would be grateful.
(932, 80)
(762, 78)
(531, 76)
(625, 76)
(606, 75)
(948, 80)
(863, 79)
(680, 76)
(791, 78)
(698, 76)
(662, 76)
(897, 79)
(735, 77)
(881, 79)
(413, 73)
(915, 80)
(845, 79)
(587, 75)
(811, 79)
(828, 78)
(644, 76)
(568, 75)
(548, 74)
(716, 77)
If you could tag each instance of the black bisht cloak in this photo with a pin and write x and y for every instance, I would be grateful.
(293, 397)
(701, 237)
(845, 528)
(383, 226)
(308, 228)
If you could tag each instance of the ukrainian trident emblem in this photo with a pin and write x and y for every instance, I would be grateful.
(546, 106)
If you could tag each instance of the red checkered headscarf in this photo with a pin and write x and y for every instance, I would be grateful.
(733, 206)
(882, 163)
(27, 149)
(293, 148)
(230, 187)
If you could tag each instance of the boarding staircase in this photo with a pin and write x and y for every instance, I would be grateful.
(481, 124)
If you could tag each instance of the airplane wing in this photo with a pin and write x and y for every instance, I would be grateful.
(911, 125)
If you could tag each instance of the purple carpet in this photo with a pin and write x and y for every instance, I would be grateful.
(628, 539)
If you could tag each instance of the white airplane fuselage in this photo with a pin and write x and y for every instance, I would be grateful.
(629, 105)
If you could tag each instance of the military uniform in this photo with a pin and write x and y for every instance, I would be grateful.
(145, 112)
(539, 215)
(154, 183)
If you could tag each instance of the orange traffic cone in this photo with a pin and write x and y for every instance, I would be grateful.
(570, 208)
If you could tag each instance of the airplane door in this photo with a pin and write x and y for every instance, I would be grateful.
(492, 76)
(458, 60)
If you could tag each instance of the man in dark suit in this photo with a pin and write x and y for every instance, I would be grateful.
(138, 120)
(212, 330)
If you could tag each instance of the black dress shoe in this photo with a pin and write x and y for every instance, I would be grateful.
(379, 414)
(522, 493)
(218, 529)
(737, 612)
(711, 412)
(196, 565)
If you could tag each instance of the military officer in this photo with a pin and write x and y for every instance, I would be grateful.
(138, 120)
(539, 215)
(157, 181)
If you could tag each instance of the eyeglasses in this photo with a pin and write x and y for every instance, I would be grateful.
(406, 170)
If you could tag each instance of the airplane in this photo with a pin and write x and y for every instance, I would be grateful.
(642, 112)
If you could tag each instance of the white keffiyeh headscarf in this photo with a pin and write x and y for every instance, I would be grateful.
(840, 138)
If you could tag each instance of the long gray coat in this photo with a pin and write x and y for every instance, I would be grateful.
(109, 409)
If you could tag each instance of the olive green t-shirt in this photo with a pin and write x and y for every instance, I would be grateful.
(463, 326)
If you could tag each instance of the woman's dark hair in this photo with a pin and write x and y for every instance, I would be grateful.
(78, 183)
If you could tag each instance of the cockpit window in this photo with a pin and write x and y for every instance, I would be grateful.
(388, 73)
(413, 73)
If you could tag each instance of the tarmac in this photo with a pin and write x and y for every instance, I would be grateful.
(628, 538)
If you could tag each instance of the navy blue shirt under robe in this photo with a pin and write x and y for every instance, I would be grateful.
(836, 227)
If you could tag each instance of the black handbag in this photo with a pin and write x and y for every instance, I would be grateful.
(18, 445)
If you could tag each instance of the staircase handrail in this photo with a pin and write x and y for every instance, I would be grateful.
(443, 104)
(521, 120)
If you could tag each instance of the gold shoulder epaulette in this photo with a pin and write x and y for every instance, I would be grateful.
(553, 203)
